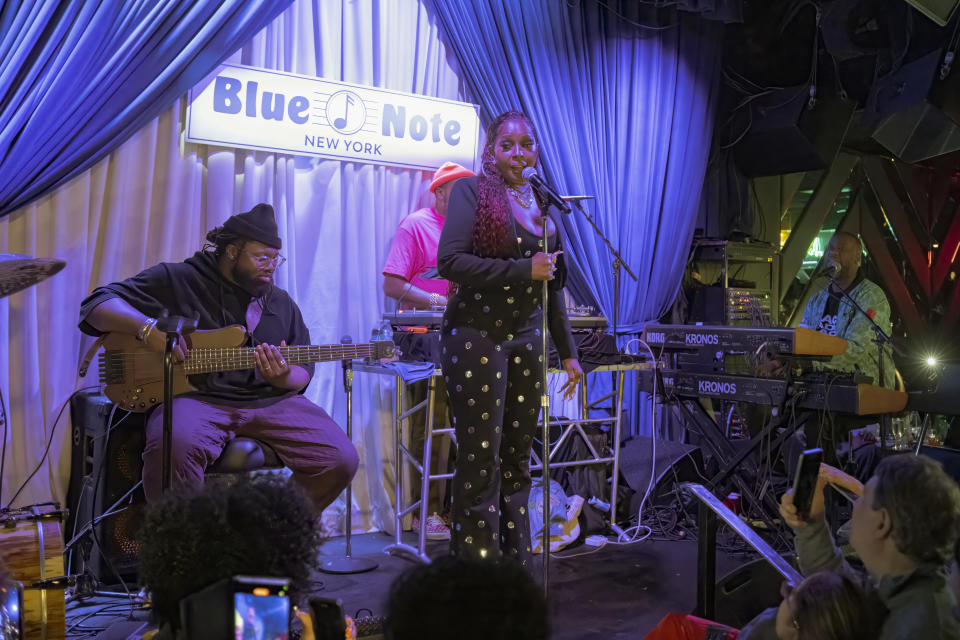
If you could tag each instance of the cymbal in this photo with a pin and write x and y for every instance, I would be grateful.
(19, 271)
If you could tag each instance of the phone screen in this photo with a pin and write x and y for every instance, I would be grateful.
(261, 617)
(805, 481)
(328, 620)
(11, 609)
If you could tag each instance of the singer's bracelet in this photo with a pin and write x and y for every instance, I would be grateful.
(435, 299)
(144, 332)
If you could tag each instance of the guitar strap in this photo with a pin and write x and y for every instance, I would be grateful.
(254, 312)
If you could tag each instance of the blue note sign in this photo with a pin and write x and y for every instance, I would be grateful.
(269, 110)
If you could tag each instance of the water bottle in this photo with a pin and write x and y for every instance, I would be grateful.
(386, 331)
(382, 333)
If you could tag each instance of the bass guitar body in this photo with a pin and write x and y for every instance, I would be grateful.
(133, 373)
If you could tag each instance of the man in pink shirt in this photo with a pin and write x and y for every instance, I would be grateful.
(412, 255)
(414, 250)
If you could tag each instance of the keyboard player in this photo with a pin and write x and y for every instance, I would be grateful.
(830, 312)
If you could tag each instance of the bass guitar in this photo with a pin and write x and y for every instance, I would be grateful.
(133, 373)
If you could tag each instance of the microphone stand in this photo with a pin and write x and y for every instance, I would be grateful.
(617, 264)
(173, 327)
(348, 564)
(545, 412)
(549, 198)
(881, 339)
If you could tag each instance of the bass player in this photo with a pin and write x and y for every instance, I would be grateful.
(230, 282)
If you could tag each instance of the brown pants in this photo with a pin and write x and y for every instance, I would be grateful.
(306, 439)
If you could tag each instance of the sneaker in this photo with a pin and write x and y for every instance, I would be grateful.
(437, 528)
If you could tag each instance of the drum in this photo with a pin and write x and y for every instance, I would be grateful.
(31, 546)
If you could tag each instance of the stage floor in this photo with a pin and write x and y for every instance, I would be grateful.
(614, 592)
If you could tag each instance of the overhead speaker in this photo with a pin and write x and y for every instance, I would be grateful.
(905, 107)
(945, 92)
(940, 11)
(854, 28)
(785, 135)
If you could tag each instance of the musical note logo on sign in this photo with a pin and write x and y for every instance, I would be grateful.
(270, 110)
(346, 112)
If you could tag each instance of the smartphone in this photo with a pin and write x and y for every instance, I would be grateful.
(329, 622)
(238, 607)
(260, 609)
(805, 481)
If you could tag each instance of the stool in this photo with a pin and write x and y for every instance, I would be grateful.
(241, 455)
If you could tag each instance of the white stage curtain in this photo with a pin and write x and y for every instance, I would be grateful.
(154, 198)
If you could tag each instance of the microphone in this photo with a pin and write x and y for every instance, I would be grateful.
(529, 173)
(830, 270)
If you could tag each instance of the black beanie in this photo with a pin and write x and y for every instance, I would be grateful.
(258, 224)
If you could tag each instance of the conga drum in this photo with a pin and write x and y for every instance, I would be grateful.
(31, 546)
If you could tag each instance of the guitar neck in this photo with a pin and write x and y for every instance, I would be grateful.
(212, 360)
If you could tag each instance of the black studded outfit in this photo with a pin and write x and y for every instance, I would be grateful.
(491, 355)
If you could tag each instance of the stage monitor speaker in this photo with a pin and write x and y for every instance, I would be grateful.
(910, 109)
(106, 463)
(675, 461)
(940, 11)
(746, 591)
(786, 136)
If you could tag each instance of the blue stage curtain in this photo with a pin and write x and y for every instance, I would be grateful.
(624, 112)
(78, 78)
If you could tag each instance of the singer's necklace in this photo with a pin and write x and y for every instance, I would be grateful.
(523, 197)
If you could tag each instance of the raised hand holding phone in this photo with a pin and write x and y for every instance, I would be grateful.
(847, 485)
(805, 482)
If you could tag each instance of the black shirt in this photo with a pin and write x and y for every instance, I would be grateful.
(497, 281)
(830, 318)
(195, 288)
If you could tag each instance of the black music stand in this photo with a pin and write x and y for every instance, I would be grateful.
(173, 327)
(708, 511)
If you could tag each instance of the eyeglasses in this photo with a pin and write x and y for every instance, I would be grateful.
(267, 261)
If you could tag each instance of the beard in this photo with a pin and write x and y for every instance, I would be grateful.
(250, 282)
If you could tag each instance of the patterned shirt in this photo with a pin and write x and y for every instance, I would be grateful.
(852, 326)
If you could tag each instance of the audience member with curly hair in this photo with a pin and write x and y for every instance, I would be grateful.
(192, 538)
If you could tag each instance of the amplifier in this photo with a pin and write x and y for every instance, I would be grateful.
(105, 464)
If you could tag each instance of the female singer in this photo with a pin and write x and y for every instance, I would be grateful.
(491, 248)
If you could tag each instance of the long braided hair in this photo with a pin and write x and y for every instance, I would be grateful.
(490, 227)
